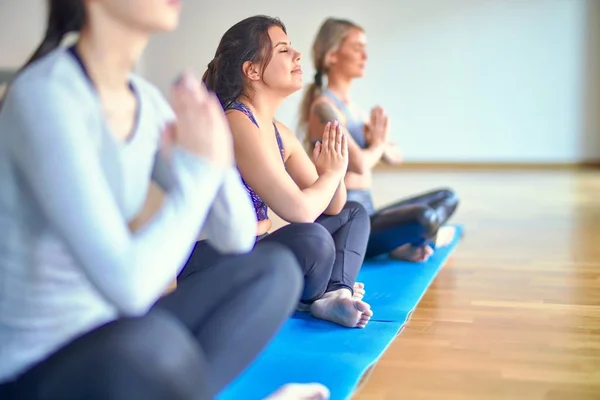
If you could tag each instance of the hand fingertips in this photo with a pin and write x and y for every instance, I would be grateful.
(334, 132)
(326, 131)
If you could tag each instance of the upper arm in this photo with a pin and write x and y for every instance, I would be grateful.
(322, 112)
(263, 169)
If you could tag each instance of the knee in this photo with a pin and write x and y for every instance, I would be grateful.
(158, 351)
(450, 197)
(357, 210)
(429, 220)
(280, 268)
(317, 243)
(143, 340)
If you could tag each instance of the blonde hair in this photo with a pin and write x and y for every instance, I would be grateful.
(329, 38)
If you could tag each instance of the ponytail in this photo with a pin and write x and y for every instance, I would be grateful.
(64, 16)
(211, 80)
(311, 93)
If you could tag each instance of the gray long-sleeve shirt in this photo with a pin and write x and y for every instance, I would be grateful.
(68, 187)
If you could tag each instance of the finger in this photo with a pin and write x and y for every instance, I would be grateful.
(325, 143)
(378, 118)
(215, 105)
(214, 111)
(332, 135)
(189, 81)
(316, 151)
(373, 117)
(200, 90)
(168, 135)
(187, 93)
(344, 145)
(338, 139)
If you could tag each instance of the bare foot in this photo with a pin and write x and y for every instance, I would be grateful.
(408, 252)
(445, 236)
(300, 391)
(341, 308)
(359, 291)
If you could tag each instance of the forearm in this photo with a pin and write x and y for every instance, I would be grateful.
(231, 224)
(339, 200)
(318, 197)
(373, 153)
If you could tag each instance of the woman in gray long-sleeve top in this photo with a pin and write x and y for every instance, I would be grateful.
(81, 313)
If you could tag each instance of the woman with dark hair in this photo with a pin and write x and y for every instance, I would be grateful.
(409, 229)
(81, 313)
(254, 69)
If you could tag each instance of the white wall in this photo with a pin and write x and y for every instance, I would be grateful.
(590, 143)
(464, 80)
(22, 25)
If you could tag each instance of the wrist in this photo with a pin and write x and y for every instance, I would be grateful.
(331, 174)
(377, 142)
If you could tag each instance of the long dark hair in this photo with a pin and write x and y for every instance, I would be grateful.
(248, 40)
(64, 16)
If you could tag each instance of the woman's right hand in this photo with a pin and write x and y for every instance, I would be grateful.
(200, 126)
(377, 129)
(331, 154)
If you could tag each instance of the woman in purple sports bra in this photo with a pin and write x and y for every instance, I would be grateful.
(254, 70)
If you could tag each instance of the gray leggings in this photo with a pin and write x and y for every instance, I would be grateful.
(329, 251)
(189, 346)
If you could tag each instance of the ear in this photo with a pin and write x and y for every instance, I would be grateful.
(331, 58)
(251, 71)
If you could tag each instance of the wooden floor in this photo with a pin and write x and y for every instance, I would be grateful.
(516, 312)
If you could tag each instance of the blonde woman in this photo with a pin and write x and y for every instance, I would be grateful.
(409, 229)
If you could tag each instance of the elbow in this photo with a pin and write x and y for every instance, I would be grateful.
(301, 213)
(334, 209)
(134, 305)
(239, 244)
(239, 236)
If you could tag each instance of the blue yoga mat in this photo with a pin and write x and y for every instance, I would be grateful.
(310, 350)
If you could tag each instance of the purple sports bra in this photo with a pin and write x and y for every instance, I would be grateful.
(260, 207)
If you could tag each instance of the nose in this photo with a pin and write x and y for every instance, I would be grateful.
(297, 55)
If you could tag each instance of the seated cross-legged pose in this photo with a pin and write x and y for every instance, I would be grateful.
(409, 229)
(82, 314)
(254, 69)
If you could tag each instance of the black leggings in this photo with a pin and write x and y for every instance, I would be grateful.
(330, 251)
(191, 344)
(412, 221)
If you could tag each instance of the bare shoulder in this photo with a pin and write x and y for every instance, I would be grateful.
(284, 131)
(288, 137)
(241, 126)
(324, 110)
